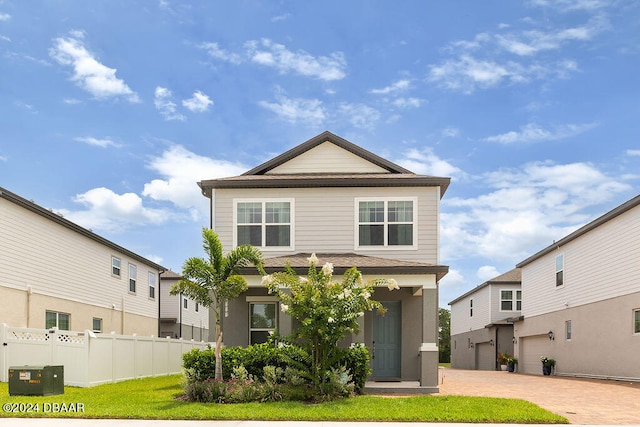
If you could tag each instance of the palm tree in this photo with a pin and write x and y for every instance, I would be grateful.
(213, 281)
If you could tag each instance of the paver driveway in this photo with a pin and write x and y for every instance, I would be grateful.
(581, 401)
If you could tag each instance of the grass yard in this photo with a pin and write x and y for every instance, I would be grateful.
(155, 398)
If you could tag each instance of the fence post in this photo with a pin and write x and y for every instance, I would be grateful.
(3, 353)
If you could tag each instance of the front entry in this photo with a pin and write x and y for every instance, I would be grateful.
(387, 334)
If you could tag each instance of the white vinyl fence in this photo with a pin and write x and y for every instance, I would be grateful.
(90, 359)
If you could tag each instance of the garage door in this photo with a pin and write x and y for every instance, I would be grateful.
(485, 355)
(531, 348)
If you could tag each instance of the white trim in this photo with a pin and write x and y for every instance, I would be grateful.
(385, 246)
(263, 202)
(428, 346)
(269, 298)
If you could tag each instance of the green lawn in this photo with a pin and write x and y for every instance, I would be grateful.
(155, 398)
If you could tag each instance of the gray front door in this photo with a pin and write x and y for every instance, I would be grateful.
(387, 333)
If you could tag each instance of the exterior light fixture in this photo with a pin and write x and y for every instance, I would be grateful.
(551, 337)
(514, 340)
(491, 343)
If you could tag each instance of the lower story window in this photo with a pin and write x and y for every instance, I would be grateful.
(262, 321)
(97, 324)
(53, 319)
(636, 321)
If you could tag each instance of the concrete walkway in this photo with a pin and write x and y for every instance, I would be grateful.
(581, 401)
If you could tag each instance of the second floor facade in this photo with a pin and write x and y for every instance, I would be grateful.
(329, 195)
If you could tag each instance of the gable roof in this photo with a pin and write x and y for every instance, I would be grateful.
(39, 210)
(627, 206)
(511, 277)
(262, 177)
(344, 261)
(326, 136)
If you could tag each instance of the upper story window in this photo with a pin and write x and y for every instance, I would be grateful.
(386, 223)
(152, 285)
(197, 308)
(133, 275)
(185, 303)
(470, 308)
(560, 270)
(115, 266)
(508, 302)
(264, 224)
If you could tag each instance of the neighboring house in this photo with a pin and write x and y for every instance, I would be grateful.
(54, 273)
(181, 317)
(352, 208)
(482, 322)
(582, 300)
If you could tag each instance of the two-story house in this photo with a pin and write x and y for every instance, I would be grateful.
(581, 302)
(482, 322)
(352, 208)
(181, 317)
(54, 273)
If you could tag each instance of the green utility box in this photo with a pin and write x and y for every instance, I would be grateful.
(36, 380)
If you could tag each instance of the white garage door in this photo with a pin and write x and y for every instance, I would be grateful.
(531, 348)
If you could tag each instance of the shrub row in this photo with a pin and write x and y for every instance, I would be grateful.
(200, 365)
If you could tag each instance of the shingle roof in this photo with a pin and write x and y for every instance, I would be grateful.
(259, 177)
(511, 277)
(342, 262)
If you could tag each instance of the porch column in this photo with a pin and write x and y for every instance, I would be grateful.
(429, 348)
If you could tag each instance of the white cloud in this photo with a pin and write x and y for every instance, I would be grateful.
(71, 101)
(268, 53)
(198, 103)
(282, 17)
(97, 142)
(297, 110)
(4, 159)
(164, 104)
(113, 212)
(450, 133)
(180, 170)
(91, 75)
(570, 5)
(425, 162)
(487, 272)
(275, 55)
(511, 57)
(214, 50)
(633, 152)
(452, 280)
(524, 210)
(531, 132)
(407, 102)
(359, 115)
(4, 16)
(399, 86)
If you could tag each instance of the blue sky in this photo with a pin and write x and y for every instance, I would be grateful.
(112, 110)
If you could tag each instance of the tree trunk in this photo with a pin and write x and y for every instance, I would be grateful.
(218, 354)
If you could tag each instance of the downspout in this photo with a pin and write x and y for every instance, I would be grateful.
(159, 296)
(495, 350)
(29, 292)
(181, 302)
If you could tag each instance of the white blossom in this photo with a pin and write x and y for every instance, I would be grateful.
(392, 284)
(360, 314)
(284, 307)
(266, 280)
(340, 295)
(303, 280)
(327, 269)
(313, 259)
(366, 295)
(330, 320)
